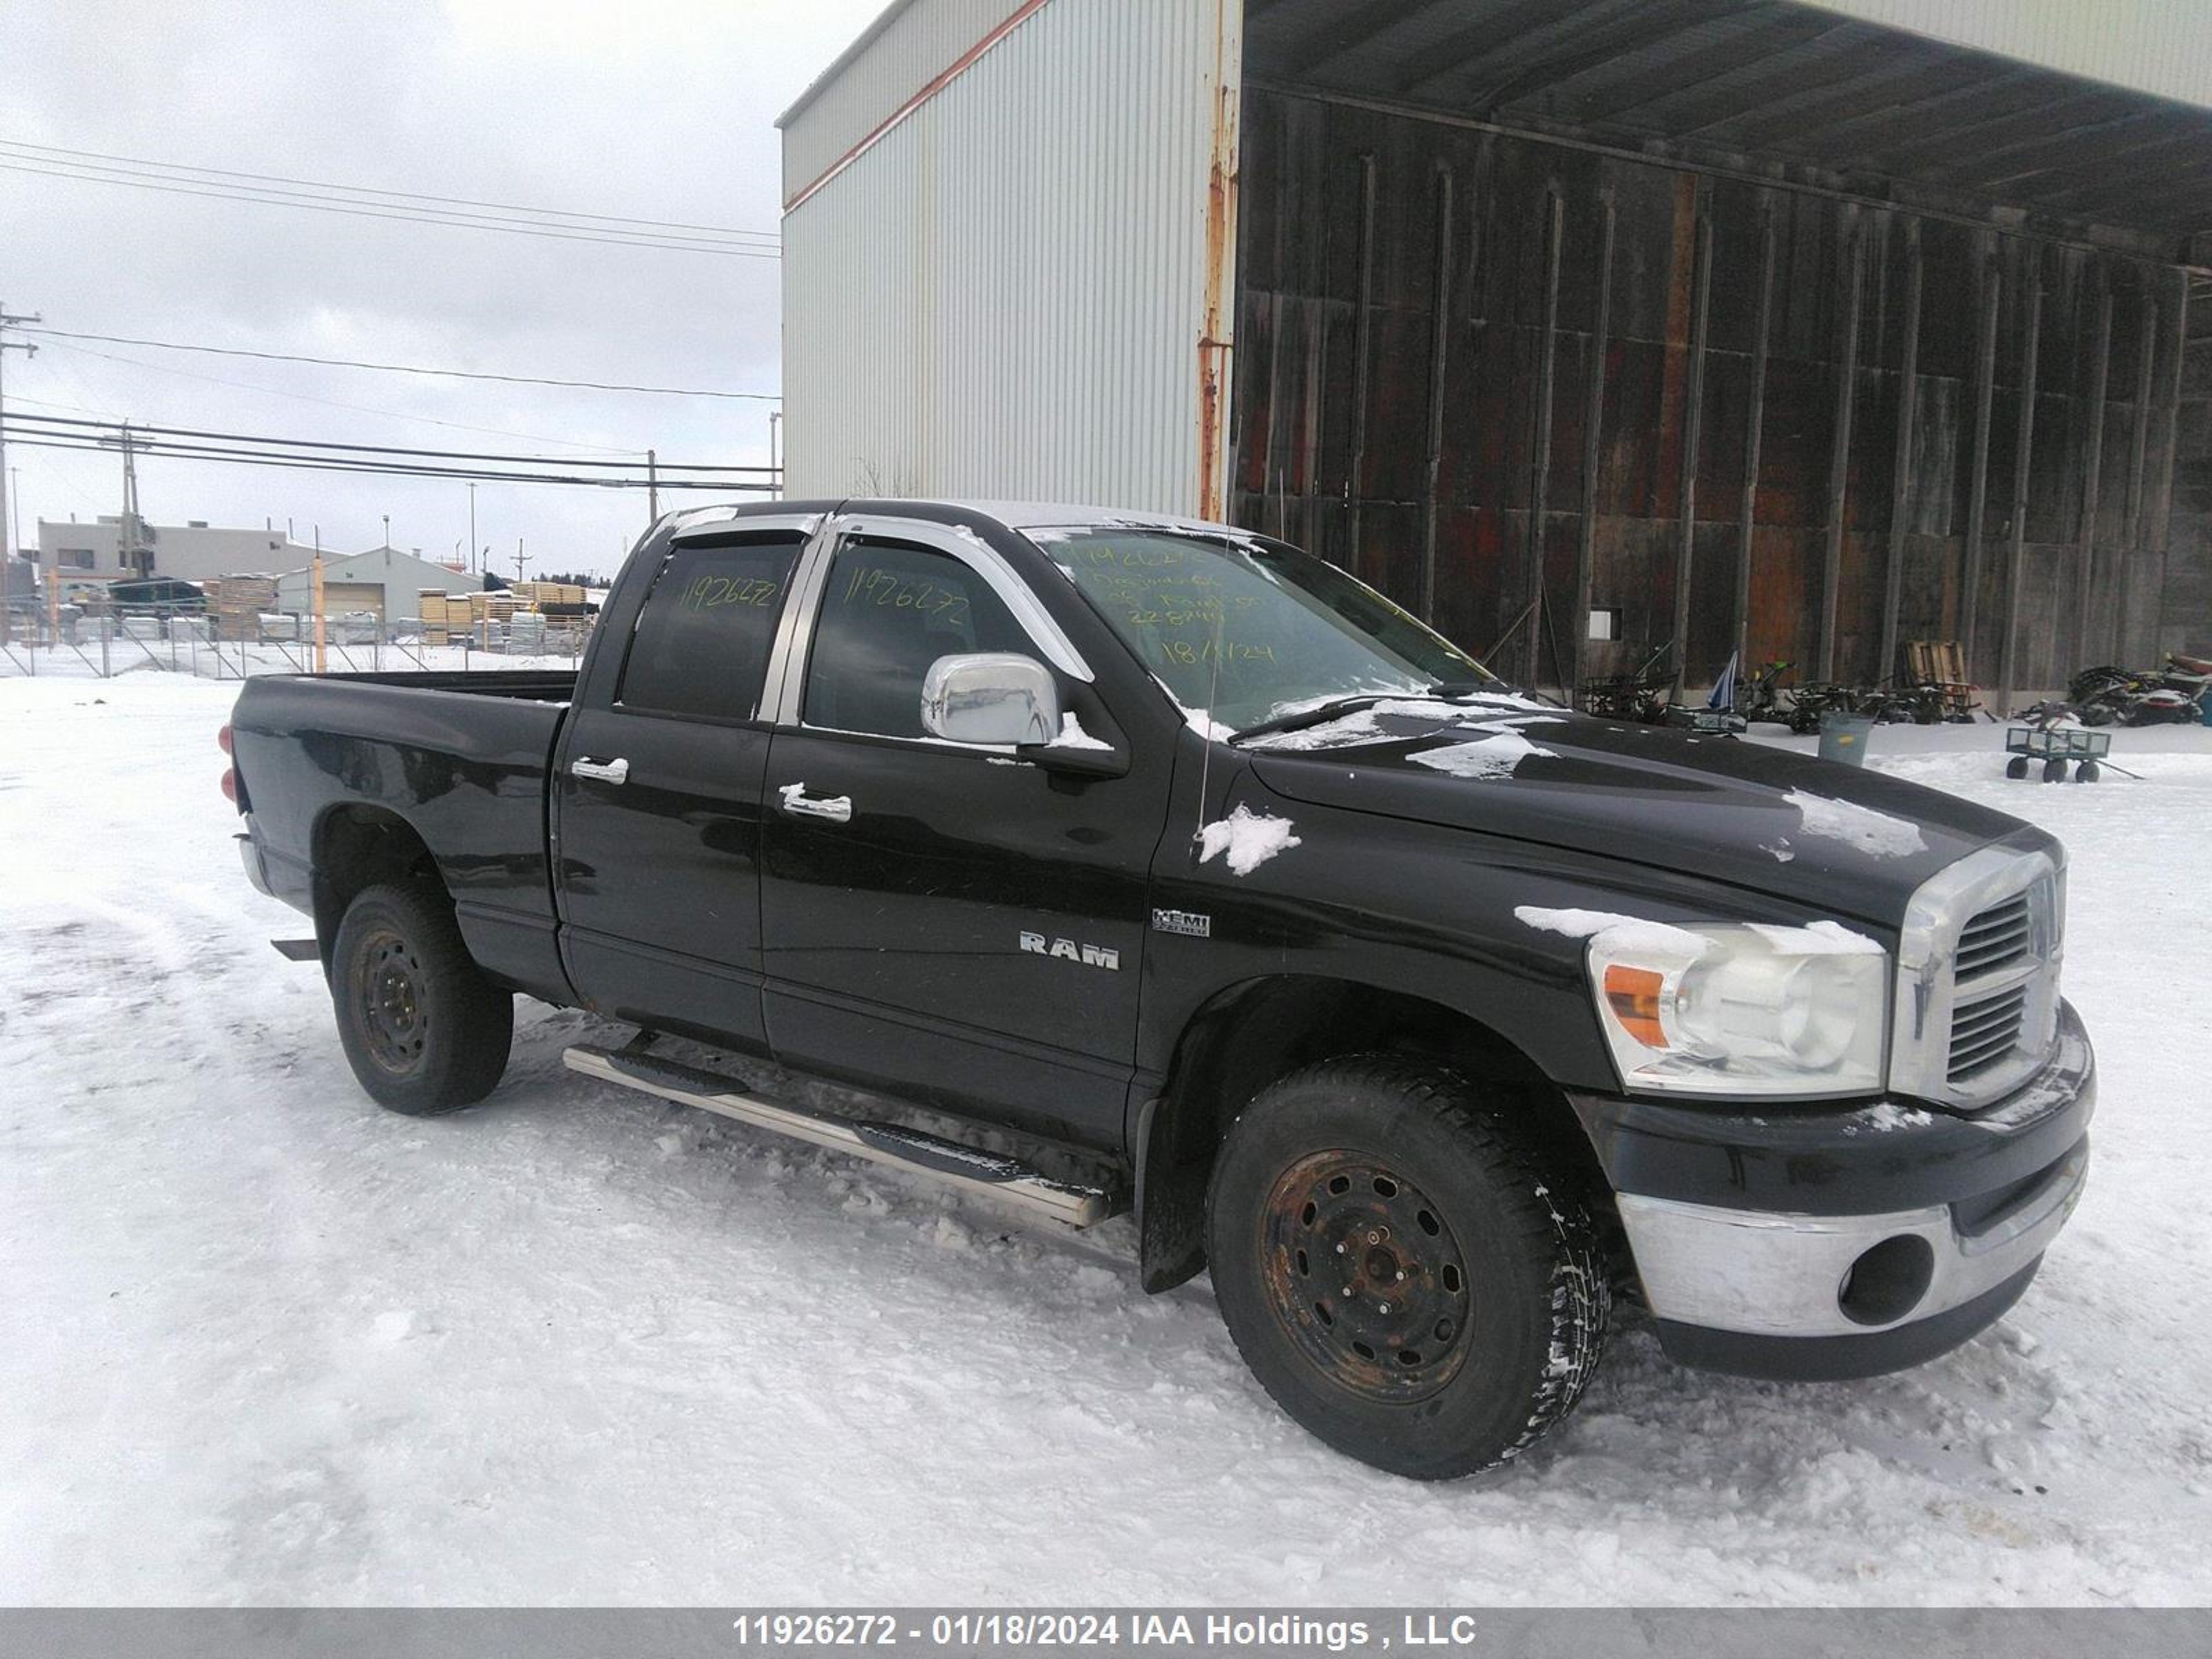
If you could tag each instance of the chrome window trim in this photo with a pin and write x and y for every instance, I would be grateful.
(1928, 994)
(787, 655)
(794, 641)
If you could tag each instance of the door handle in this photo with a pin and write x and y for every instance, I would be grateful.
(613, 771)
(837, 809)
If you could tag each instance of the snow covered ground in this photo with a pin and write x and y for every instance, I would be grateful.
(261, 1342)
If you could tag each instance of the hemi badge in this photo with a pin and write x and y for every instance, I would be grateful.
(1187, 922)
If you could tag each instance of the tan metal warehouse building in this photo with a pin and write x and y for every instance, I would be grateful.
(1804, 329)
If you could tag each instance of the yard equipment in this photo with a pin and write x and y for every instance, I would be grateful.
(2056, 747)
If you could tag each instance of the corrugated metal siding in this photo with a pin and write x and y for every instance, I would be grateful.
(2161, 47)
(910, 48)
(1449, 311)
(1004, 295)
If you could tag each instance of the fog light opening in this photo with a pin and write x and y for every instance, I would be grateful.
(1887, 1282)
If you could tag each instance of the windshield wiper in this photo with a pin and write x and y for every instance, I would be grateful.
(1481, 689)
(1319, 714)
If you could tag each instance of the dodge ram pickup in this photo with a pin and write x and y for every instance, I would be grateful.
(1116, 862)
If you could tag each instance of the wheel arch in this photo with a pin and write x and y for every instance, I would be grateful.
(1249, 1034)
(356, 845)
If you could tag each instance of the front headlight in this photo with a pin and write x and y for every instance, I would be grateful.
(1742, 1008)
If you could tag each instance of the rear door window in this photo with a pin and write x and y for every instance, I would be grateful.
(702, 644)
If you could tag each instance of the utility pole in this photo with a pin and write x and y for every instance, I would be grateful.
(130, 529)
(520, 563)
(652, 488)
(7, 345)
(315, 605)
(470, 560)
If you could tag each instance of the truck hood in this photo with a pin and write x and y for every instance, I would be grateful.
(1835, 838)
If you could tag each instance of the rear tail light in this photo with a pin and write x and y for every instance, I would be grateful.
(223, 741)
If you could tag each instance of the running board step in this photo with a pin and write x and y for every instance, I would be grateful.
(1000, 1177)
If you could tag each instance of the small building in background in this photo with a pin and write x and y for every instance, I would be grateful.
(383, 580)
(193, 552)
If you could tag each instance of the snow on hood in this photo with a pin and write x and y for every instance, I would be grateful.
(1843, 842)
(1491, 757)
(1627, 934)
(1250, 839)
(1876, 834)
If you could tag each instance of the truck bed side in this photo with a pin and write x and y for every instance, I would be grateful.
(459, 762)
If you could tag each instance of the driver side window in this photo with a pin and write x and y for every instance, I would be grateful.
(889, 610)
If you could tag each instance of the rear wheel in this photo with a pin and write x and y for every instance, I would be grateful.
(424, 1031)
(2017, 767)
(2087, 772)
(1400, 1271)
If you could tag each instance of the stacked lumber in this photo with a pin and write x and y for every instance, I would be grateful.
(237, 602)
(536, 596)
(431, 603)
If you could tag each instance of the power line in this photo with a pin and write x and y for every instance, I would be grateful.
(328, 402)
(139, 430)
(93, 155)
(672, 245)
(102, 173)
(403, 368)
(93, 446)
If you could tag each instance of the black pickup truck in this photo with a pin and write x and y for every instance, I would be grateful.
(1432, 1019)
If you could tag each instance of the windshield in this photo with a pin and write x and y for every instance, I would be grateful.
(1245, 630)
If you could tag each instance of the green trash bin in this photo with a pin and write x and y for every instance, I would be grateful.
(1844, 737)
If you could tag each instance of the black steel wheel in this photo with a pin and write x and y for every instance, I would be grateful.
(424, 1031)
(1366, 1276)
(2087, 772)
(2016, 768)
(395, 1020)
(1403, 1271)
(2054, 771)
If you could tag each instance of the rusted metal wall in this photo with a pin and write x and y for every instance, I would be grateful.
(1955, 429)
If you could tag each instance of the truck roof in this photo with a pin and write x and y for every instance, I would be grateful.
(1012, 515)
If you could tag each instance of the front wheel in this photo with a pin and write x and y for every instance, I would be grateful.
(1400, 1271)
(423, 1030)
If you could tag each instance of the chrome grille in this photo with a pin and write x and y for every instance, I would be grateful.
(1996, 938)
(1977, 978)
(1984, 1033)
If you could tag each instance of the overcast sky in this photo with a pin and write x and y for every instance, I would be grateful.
(659, 109)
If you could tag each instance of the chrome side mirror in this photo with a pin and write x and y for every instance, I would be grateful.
(990, 696)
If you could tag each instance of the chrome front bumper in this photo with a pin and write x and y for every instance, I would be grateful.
(1768, 1273)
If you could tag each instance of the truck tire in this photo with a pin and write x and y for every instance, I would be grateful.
(424, 1031)
(1399, 1269)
